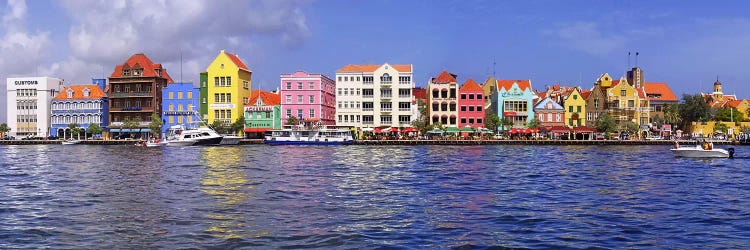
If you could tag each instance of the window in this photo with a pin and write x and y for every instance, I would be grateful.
(570, 121)
(229, 97)
(386, 119)
(575, 97)
(570, 109)
(385, 106)
(471, 96)
(229, 81)
(463, 120)
(216, 98)
(479, 96)
(179, 107)
(179, 95)
(223, 81)
(190, 107)
(479, 108)
(578, 109)
(86, 92)
(312, 85)
(190, 95)
(171, 119)
(463, 96)
(541, 117)
(471, 120)
(70, 93)
(299, 99)
(216, 114)
(299, 113)
(245, 100)
(557, 117)
(596, 103)
(404, 106)
(299, 85)
(339, 81)
(245, 84)
(312, 113)
(312, 99)
(179, 119)
(471, 108)
(204, 100)
(631, 103)
(463, 108)
(288, 112)
(386, 79)
(288, 99)
(623, 92)
(288, 85)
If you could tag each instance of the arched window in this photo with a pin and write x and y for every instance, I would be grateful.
(70, 93)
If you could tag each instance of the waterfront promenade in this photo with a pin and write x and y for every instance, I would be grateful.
(416, 142)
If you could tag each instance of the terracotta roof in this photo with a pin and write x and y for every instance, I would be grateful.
(542, 95)
(268, 98)
(95, 92)
(445, 77)
(523, 84)
(615, 82)
(419, 93)
(142, 61)
(236, 60)
(471, 85)
(352, 68)
(660, 88)
(585, 94)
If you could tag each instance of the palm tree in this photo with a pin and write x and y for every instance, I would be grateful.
(671, 114)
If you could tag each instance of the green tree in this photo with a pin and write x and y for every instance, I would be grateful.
(671, 114)
(491, 120)
(693, 109)
(720, 127)
(291, 120)
(75, 130)
(155, 125)
(4, 129)
(219, 127)
(534, 123)
(438, 125)
(629, 126)
(421, 123)
(238, 125)
(605, 123)
(506, 122)
(131, 124)
(729, 115)
(95, 129)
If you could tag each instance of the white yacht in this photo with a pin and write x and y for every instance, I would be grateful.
(178, 135)
(309, 134)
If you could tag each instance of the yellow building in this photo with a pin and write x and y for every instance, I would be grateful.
(604, 81)
(627, 103)
(575, 109)
(229, 87)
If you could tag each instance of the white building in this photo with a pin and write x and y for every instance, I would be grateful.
(28, 105)
(370, 96)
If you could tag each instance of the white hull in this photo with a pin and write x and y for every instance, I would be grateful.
(698, 152)
(310, 137)
(71, 142)
(180, 143)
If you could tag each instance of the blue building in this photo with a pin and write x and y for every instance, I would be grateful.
(80, 104)
(515, 100)
(180, 105)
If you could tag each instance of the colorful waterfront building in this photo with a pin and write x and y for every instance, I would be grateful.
(490, 87)
(28, 105)
(515, 100)
(80, 104)
(549, 113)
(575, 108)
(626, 103)
(228, 90)
(718, 98)
(596, 101)
(308, 96)
(443, 99)
(370, 96)
(135, 93)
(471, 105)
(262, 113)
(203, 98)
(180, 106)
(659, 94)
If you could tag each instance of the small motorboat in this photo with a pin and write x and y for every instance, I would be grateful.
(71, 142)
(705, 150)
(150, 143)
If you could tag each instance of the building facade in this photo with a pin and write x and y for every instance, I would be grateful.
(203, 98)
(442, 96)
(627, 103)
(471, 105)
(28, 105)
(369, 96)
(549, 113)
(262, 114)
(659, 94)
(575, 108)
(180, 106)
(308, 96)
(135, 94)
(229, 84)
(596, 103)
(80, 104)
(515, 100)
(490, 87)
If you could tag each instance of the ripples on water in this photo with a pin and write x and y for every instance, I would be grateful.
(55, 196)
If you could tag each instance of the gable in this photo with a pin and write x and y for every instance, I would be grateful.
(548, 104)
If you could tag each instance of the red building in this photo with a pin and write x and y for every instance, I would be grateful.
(471, 103)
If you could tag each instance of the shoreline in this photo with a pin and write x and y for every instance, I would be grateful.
(416, 142)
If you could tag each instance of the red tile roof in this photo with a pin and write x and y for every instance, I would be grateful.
(734, 103)
(585, 94)
(471, 85)
(419, 93)
(94, 92)
(236, 60)
(142, 61)
(542, 95)
(523, 84)
(445, 77)
(660, 88)
(268, 98)
(352, 68)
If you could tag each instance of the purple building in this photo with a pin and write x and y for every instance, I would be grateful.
(308, 96)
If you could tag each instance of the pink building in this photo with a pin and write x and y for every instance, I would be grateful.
(307, 96)
(471, 105)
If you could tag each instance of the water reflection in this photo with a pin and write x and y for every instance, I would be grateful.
(225, 181)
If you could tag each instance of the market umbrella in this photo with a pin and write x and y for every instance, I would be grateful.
(452, 130)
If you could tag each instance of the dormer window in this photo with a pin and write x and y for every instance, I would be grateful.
(86, 92)
(70, 93)
(137, 72)
(126, 72)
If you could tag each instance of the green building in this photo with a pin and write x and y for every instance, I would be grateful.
(204, 96)
(262, 113)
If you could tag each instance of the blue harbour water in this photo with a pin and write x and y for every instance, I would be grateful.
(363, 197)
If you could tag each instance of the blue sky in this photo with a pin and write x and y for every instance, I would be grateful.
(684, 43)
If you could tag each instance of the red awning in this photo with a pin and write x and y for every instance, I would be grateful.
(394, 130)
(377, 130)
(408, 130)
(583, 129)
(256, 130)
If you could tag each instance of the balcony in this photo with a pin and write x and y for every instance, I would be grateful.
(368, 82)
(404, 122)
(404, 109)
(133, 109)
(386, 109)
(386, 83)
(131, 94)
(120, 124)
(404, 82)
(386, 96)
(368, 122)
(367, 109)
(367, 96)
(386, 123)
(404, 96)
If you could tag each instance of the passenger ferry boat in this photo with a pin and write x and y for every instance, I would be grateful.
(309, 133)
